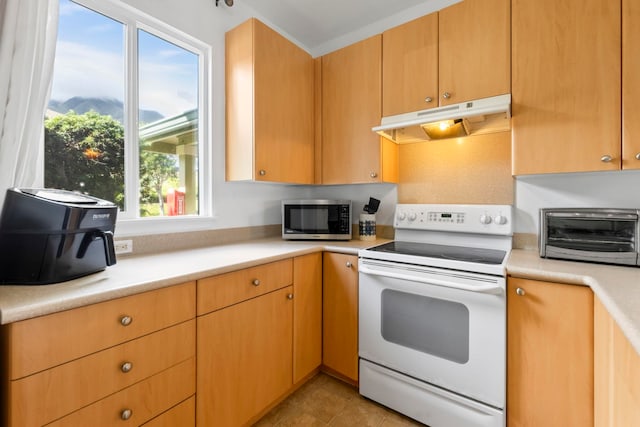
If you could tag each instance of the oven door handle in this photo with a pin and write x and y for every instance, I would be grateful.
(485, 289)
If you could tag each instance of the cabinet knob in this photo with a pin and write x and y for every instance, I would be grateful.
(289, 296)
(126, 367)
(348, 264)
(606, 158)
(520, 291)
(637, 156)
(373, 175)
(262, 172)
(126, 320)
(126, 414)
(428, 99)
(255, 282)
(446, 95)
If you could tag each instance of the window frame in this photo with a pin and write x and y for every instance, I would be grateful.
(129, 222)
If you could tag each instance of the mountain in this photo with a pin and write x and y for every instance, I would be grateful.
(104, 106)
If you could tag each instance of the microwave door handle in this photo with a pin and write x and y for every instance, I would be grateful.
(485, 289)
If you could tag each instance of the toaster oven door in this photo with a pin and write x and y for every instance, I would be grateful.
(591, 236)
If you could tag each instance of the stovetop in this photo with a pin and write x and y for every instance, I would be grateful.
(473, 238)
(455, 253)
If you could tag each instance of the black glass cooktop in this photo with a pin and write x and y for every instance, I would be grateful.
(456, 253)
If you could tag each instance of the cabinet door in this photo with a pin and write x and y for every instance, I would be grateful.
(630, 84)
(340, 314)
(351, 106)
(474, 53)
(566, 85)
(617, 373)
(269, 107)
(410, 66)
(549, 354)
(307, 315)
(244, 359)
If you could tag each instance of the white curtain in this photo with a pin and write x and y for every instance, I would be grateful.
(28, 31)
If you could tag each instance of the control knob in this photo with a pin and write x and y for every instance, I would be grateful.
(485, 219)
(412, 216)
(401, 216)
(500, 220)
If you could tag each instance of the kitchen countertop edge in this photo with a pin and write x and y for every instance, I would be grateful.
(617, 287)
(133, 275)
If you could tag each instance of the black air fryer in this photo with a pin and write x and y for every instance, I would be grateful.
(49, 236)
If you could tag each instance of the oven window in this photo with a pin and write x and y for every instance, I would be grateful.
(429, 325)
(593, 235)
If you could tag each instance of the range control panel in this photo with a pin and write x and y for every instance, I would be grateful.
(486, 219)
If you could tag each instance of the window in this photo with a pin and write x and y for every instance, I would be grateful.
(127, 116)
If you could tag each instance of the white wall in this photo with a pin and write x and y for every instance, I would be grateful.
(595, 189)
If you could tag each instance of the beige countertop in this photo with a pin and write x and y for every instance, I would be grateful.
(132, 274)
(618, 288)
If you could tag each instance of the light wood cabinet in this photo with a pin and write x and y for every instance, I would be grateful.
(307, 315)
(340, 315)
(351, 106)
(549, 354)
(462, 51)
(244, 359)
(566, 89)
(630, 84)
(82, 358)
(271, 333)
(269, 107)
(617, 373)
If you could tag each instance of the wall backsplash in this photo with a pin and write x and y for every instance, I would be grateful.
(465, 170)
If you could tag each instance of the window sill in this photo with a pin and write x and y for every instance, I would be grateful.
(162, 225)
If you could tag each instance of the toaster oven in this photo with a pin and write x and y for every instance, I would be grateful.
(590, 234)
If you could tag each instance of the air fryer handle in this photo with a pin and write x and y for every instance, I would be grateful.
(109, 248)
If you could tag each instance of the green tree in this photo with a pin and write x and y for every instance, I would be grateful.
(85, 153)
(156, 169)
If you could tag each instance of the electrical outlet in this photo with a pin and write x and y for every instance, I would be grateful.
(123, 246)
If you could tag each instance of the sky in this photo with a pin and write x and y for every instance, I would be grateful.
(90, 63)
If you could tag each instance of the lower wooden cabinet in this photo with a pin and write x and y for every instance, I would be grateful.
(307, 315)
(549, 354)
(252, 352)
(127, 359)
(183, 414)
(244, 358)
(617, 374)
(340, 315)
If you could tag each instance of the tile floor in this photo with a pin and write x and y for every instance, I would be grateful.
(325, 401)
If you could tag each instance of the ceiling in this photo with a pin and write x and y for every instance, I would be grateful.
(324, 25)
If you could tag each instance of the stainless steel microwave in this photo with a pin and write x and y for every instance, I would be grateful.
(316, 219)
(600, 235)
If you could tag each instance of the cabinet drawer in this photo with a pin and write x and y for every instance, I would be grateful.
(65, 388)
(183, 414)
(42, 342)
(144, 400)
(221, 291)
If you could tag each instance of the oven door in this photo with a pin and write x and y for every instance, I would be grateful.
(444, 327)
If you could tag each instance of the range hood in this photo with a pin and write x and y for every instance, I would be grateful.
(486, 115)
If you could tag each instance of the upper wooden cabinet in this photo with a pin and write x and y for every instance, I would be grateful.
(630, 84)
(351, 106)
(269, 107)
(566, 92)
(458, 54)
(549, 354)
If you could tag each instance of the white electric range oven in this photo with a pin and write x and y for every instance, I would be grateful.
(432, 315)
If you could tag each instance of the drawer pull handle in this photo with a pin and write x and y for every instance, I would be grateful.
(126, 320)
(348, 264)
(126, 367)
(520, 291)
(289, 296)
(255, 282)
(606, 158)
(126, 414)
